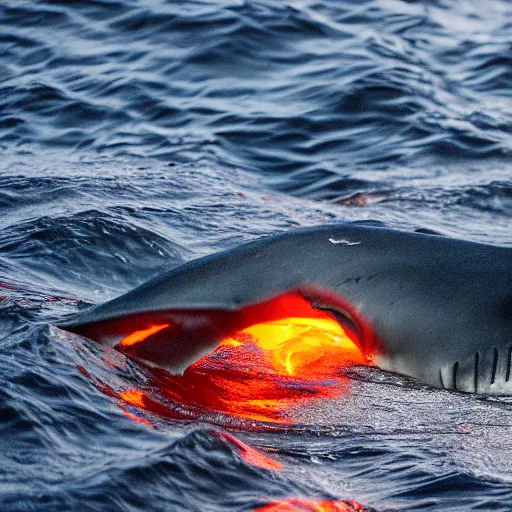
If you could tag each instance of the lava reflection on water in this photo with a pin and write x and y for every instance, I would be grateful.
(306, 505)
(266, 367)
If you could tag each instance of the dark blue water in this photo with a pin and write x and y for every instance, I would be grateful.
(136, 135)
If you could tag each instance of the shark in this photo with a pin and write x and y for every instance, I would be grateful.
(431, 307)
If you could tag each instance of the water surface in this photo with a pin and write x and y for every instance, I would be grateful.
(137, 135)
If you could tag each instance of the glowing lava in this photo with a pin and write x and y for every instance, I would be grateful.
(143, 334)
(278, 355)
(302, 347)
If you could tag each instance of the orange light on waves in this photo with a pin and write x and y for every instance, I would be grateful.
(133, 397)
(305, 505)
(250, 455)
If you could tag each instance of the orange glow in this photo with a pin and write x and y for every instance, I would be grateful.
(138, 336)
(133, 397)
(304, 505)
(304, 347)
(272, 358)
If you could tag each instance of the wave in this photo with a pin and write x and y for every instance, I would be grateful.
(281, 89)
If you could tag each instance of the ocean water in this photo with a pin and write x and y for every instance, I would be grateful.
(137, 135)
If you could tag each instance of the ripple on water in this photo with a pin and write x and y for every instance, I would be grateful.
(321, 88)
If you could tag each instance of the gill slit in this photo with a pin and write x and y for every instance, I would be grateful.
(509, 361)
(455, 368)
(477, 361)
(494, 365)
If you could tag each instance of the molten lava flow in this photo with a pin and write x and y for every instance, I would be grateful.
(303, 347)
(279, 354)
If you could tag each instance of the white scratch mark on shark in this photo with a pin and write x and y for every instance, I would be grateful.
(342, 242)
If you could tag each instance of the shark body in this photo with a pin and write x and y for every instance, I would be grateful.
(437, 309)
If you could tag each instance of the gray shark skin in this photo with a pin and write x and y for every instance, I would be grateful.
(440, 308)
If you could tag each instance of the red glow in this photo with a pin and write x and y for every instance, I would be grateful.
(254, 457)
(304, 505)
(277, 355)
(137, 418)
(250, 455)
